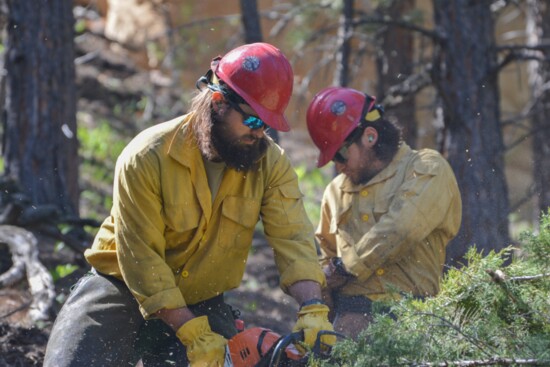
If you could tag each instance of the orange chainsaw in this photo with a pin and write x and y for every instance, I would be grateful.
(261, 347)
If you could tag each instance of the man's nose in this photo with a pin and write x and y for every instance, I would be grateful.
(257, 133)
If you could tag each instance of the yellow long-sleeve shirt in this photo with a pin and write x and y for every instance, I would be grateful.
(393, 230)
(173, 245)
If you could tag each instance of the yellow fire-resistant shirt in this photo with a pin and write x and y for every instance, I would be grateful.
(391, 233)
(173, 245)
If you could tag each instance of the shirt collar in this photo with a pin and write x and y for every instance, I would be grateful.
(383, 175)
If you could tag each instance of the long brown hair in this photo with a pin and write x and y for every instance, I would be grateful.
(201, 106)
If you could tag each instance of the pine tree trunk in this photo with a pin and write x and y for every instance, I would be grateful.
(467, 81)
(394, 63)
(345, 31)
(41, 148)
(540, 12)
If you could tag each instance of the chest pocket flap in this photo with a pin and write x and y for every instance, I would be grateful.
(243, 211)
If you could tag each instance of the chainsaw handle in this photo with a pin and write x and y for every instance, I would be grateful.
(281, 345)
(298, 336)
(317, 347)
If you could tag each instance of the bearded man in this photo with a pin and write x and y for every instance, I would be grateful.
(187, 196)
(389, 215)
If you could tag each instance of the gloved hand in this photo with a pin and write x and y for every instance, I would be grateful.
(204, 347)
(312, 319)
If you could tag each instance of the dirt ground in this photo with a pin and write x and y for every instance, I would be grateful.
(259, 299)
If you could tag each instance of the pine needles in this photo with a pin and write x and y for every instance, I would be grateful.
(489, 313)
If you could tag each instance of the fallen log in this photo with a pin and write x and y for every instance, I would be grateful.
(26, 264)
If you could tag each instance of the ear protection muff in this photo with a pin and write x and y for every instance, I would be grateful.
(217, 97)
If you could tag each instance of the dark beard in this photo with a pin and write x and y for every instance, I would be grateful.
(241, 157)
(364, 178)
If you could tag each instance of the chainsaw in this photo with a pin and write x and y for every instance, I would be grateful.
(261, 347)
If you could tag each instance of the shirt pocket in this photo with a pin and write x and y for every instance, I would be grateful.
(239, 218)
(291, 201)
(381, 206)
(181, 223)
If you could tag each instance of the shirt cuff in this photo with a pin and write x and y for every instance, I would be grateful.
(356, 267)
(168, 299)
(302, 270)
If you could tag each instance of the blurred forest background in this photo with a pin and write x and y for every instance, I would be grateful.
(468, 78)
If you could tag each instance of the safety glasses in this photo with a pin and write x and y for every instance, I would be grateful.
(250, 121)
(341, 155)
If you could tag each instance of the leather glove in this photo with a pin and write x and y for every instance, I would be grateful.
(312, 319)
(204, 347)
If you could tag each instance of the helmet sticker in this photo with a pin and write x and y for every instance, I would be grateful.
(251, 63)
(338, 108)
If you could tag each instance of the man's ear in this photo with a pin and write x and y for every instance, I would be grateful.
(370, 136)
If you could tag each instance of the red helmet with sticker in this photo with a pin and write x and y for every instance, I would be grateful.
(333, 114)
(263, 77)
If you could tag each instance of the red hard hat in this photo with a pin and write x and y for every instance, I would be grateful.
(263, 77)
(332, 115)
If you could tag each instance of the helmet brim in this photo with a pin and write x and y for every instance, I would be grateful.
(273, 120)
(324, 158)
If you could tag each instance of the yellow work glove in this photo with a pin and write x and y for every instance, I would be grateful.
(204, 347)
(312, 319)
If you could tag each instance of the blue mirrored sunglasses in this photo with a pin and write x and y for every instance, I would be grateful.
(250, 121)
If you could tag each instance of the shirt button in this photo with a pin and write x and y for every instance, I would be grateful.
(380, 272)
(365, 217)
(364, 193)
(184, 274)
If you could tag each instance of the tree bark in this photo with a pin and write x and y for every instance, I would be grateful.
(394, 63)
(466, 80)
(251, 21)
(539, 11)
(343, 52)
(40, 147)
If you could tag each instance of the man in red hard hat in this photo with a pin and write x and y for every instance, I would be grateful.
(387, 217)
(187, 196)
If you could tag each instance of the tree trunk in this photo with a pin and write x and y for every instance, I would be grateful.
(253, 33)
(40, 147)
(539, 11)
(345, 31)
(394, 63)
(466, 78)
(251, 21)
